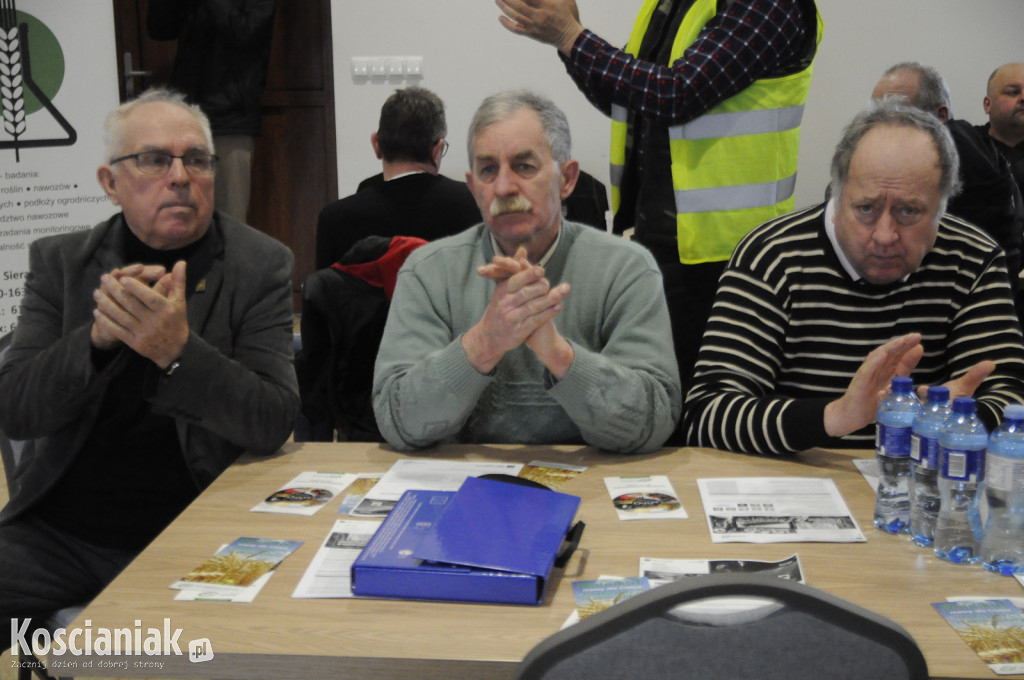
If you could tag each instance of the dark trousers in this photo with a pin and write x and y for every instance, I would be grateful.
(690, 291)
(43, 570)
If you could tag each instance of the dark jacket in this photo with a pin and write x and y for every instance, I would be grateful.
(989, 197)
(422, 205)
(234, 390)
(343, 317)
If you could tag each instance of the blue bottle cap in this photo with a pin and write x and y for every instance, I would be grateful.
(902, 384)
(938, 393)
(963, 405)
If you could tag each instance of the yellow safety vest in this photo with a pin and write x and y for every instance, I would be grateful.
(733, 167)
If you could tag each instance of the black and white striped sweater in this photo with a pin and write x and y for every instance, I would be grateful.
(789, 328)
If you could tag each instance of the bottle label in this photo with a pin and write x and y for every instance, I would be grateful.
(1004, 474)
(925, 451)
(892, 441)
(963, 466)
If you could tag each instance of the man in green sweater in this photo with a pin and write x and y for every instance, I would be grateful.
(485, 343)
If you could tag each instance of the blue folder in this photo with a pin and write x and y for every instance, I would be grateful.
(490, 541)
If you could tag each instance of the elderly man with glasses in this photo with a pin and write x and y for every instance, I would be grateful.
(149, 352)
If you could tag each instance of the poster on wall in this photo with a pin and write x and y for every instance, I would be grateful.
(58, 80)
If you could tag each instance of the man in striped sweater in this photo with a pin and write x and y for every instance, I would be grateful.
(819, 309)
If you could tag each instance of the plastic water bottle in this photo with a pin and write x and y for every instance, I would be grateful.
(924, 451)
(962, 443)
(896, 415)
(1002, 549)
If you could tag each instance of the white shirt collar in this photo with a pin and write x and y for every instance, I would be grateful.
(405, 174)
(830, 229)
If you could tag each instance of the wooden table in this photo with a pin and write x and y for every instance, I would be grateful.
(278, 636)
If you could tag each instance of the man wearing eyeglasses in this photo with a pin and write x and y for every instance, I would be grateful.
(149, 352)
(409, 197)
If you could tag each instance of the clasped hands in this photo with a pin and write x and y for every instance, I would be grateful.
(858, 406)
(143, 307)
(520, 311)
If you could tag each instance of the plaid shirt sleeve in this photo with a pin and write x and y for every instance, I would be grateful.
(751, 39)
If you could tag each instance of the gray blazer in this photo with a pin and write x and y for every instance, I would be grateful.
(234, 390)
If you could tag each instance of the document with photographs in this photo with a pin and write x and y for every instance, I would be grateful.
(305, 494)
(993, 629)
(551, 475)
(649, 497)
(357, 490)
(595, 596)
(432, 475)
(205, 592)
(606, 589)
(211, 593)
(777, 510)
(330, 572)
(243, 564)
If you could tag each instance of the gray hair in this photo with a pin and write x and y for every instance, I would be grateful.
(932, 91)
(500, 106)
(113, 126)
(892, 112)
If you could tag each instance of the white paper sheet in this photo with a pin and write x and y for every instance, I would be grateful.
(433, 475)
(777, 510)
(330, 572)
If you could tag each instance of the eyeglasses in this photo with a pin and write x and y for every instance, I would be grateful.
(444, 147)
(159, 162)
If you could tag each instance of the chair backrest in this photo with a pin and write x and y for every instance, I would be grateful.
(803, 633)
(344, 309)
(342, 323)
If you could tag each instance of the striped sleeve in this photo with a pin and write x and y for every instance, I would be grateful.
(984, 323)
(733, 404)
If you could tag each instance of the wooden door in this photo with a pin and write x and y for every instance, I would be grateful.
(295, 159)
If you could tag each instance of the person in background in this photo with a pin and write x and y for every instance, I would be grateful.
(221, 65)
(818, 310)
(1004, 105)
(150, 351)
(706, 102)
(410, 197)
(484, 341)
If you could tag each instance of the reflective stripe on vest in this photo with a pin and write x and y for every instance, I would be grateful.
(617, 156)
(738, 123)
(735, 197)
(733, 167)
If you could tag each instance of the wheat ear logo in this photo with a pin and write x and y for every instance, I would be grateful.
(31, 73)
(11, 83)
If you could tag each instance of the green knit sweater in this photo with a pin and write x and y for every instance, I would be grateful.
(621, 393)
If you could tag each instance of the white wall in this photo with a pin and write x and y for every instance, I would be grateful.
(468, 55)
